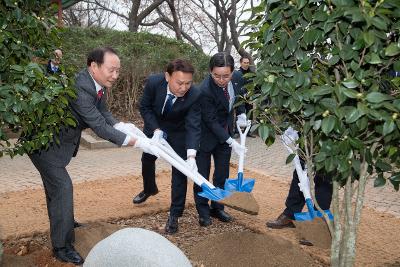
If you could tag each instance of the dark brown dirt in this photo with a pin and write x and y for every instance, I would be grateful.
(242, 201)
(248, 249)
(316, 231)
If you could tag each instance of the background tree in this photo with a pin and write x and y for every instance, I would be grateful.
(132, 12)
(325, 68)
(86, 14)
(207, 25)
(30, 102)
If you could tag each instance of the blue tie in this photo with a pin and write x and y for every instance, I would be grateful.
(168, 104)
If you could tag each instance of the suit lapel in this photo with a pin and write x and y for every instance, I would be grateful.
(160, 97)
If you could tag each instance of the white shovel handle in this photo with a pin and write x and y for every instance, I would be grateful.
(175, 160)
(303, 178)
(243, 135)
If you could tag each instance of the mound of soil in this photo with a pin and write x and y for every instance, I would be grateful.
(248, 249)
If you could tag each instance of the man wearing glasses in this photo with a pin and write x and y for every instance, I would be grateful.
(219, 93)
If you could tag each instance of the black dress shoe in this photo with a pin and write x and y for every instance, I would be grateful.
(172, 225)
(220, 215)
(68, 254)
(283, 221)
(205, 221)
(142, 196)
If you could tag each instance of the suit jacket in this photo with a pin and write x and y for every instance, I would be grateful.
(182, 123)
(90, 112)
(217, 119)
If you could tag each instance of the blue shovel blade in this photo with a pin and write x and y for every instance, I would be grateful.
(305, 216)
(213, 194)
(311, 213)
(240, 184)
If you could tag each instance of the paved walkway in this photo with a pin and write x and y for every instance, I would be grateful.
(19, 173)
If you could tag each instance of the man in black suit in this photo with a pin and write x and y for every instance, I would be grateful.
(245, 69)
(170, 109)
(90, 111)
(53, 65)
(220, 89)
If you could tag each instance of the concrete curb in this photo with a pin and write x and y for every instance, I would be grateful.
(92, 143)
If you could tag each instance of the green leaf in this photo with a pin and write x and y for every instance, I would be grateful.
(333, 60)
(70, 122)
(328, 124)
(369, 38)
(317, 125)
(379, 23)
(395, 177)
(379, 181)
(311, 36)
(349, 92)
(353, 115)
(383, 166)
(292, 44)
(376, 97)
(17, 68)
(321, 156)
(263, 132)
(373, 58)
(388, 127)
(392, 50)
(350, 83)
(290, 158)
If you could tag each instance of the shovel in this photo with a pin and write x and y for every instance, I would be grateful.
(242, 199)
(241, 184)
(310, 224)
(165, 151)
(237, 200)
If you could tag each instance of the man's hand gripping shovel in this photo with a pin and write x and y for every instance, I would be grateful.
(310, 225)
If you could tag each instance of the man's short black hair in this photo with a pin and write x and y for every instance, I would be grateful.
(179, 65)
(241, 59)
(222, 59)
(97, 55)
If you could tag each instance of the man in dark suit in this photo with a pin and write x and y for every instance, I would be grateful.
(53, 65)
(90, 111)
(170, 108)
(220, 90)
(245, 69)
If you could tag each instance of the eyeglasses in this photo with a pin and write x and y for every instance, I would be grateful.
(221, 77)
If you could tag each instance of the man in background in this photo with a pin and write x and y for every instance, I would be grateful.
(53, 65)
(245, 69)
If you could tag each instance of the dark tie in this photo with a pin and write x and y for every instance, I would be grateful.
(168, 104)
(226, 94)
(99, 94)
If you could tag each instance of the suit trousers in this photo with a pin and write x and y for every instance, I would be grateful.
(178, 180)
(222, 155)
(59, 198)
(295, 200)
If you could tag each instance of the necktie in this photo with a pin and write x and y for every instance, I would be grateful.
(168, 104)
(226, 94)
(100, 94)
